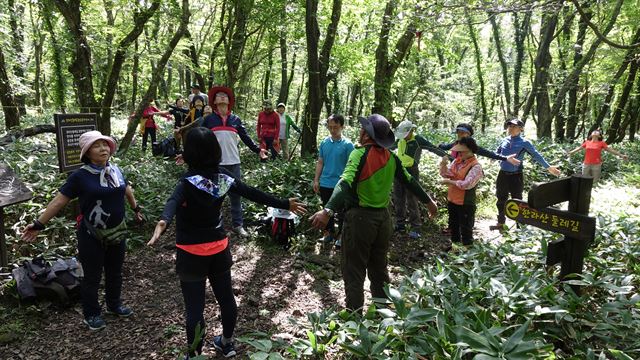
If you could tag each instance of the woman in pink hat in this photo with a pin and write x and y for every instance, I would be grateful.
(101, 190)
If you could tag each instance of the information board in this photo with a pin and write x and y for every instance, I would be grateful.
(69, 127)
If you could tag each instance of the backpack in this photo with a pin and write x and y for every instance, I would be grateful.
(165, 148)
(283, 226)
(55, 280)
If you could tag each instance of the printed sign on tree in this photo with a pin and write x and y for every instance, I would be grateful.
(69, 127)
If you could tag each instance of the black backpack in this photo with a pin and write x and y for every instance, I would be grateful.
(165, 148)
(55, 280)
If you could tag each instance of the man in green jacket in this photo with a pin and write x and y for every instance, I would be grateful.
(285, 123)
(364, 190)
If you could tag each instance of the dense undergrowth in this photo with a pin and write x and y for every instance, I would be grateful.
(496, 300)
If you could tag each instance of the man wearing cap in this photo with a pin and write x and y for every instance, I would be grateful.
(268, 128)
(463, 130)
(195, 90)
(364, 190)
(228, 127)
(510, 178)
(409, 151)
(285, 123)
(462, 176)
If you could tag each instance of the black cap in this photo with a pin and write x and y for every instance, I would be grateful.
(379, 129)
(516, 122)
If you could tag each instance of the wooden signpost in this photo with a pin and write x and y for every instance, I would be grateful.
(12, 191)
(577, 227)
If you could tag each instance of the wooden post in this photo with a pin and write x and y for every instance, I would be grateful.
(579, 201)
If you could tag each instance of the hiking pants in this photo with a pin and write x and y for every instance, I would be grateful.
(405, 202)
(593, 170)
(148, 131)
(461, 219)
(94, 257)
(194, 300)
(325, 195)
(507, 183)
(365, 244)
(268, 141)
(235, 199)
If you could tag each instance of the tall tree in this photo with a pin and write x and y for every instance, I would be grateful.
(8, 101)
(233, 55)
(503, 62)
(386, 66)
(615, 127)
(155, 77)
(318, 65)
(542, 63)
(478, 57)
(59, 88)
(81, 67)
(17, 42)
(521, 29)
(577, 69)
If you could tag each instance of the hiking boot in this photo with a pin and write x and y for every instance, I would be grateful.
(414, 234)
(121, 311)
(95, 322)
(338, 244)
(240, 231)
(227, 350)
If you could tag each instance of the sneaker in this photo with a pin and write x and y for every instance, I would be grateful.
(95, 322)
(326, 239)
(240, 231)
(414, 234)
(227, 350)
(338, 244)
(121, 311)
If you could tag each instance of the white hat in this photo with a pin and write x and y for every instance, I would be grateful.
(403, 129)
(87, 139)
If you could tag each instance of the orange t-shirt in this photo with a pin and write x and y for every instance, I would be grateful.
(593, 151)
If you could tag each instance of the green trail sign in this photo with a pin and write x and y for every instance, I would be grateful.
(570, 224)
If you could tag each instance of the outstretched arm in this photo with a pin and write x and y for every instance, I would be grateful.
(571, 152)
(616, 152)
(30, 232)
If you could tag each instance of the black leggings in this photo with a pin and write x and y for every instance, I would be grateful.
(194, 298)
(507, 184)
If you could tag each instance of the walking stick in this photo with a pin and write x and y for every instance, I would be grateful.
(294, 147)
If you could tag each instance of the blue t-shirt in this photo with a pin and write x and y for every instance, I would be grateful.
(334, 155)
(102, 204)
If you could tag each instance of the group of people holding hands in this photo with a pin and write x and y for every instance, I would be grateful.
(355, 184)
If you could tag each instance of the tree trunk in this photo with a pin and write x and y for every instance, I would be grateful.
(284, 68)
(572, 116)
(233, 57)
(632, 114)
(614, 125)
(59, 78)
(353, 101)
(111, 21)
(17, 42)
(314, 98)
(503, 63)
(155, 78)
(577, 70)
(606, 105)
(293, 68)
(38, 39)
(563, 43)
(266, 94)
(478, 56)
(8, 101)
(80, 68)
(521, 30)
(193, 54)
(386, 67)
(318, 66)
(140, 19)
(134, 75)
(542, 63)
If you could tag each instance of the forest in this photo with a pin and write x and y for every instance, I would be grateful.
(563, 69)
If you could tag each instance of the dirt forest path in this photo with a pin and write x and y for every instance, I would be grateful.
(272, 287)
